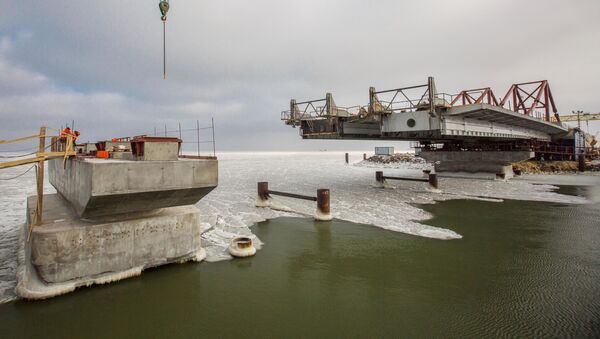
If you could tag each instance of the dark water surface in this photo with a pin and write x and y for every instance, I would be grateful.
(523, 269)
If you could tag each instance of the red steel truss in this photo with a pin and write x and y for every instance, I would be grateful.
(529, 96)
(475, 96)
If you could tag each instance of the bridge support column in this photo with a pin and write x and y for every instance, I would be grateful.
(475, 164)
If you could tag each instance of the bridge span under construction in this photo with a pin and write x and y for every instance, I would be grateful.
(462, 132)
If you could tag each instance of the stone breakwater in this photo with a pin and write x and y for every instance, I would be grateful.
(553, 167)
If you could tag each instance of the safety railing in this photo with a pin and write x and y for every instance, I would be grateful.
(38, 161)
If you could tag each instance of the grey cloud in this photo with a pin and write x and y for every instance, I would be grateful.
(99, 63)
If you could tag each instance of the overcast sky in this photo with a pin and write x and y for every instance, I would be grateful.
(241, 61)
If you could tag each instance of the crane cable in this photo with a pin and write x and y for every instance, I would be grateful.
(163, 5)
(20, 175)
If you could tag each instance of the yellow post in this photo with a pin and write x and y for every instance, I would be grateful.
(40, 178)
(68, 150)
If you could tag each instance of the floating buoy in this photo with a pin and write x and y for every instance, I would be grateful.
(242, 247)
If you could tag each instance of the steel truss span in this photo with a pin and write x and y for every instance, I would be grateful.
(419, 112)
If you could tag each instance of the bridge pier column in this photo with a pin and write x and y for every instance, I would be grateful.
(475, 164)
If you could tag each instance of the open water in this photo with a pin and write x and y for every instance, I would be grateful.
(521, 269)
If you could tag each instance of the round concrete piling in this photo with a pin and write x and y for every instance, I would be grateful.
(242, 247)
(364, 156)
(347, 158)
(323, 212)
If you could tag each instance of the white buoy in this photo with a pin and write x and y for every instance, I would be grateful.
(242, 247)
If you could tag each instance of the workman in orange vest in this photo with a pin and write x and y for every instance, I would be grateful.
(75, 135)
(65, 132)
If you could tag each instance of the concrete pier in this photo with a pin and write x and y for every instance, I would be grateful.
(470, 163)
(65, 247)
(111, 218)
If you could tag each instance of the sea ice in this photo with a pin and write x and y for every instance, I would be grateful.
(229, 211)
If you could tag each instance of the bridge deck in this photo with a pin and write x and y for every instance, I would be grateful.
(497, 114)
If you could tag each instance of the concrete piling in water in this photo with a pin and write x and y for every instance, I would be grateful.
(347, 158)
(364, 156)
(241, 247)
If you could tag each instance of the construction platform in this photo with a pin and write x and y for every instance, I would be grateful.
(100, 187)
(113, 218)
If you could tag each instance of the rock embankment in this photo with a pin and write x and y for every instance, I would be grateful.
(398, 157)
(547, 167)
(397, 161)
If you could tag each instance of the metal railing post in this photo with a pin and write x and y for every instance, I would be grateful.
(40, 178)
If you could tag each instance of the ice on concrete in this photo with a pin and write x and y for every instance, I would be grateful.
(13, 194)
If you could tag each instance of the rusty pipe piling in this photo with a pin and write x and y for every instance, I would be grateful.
(323, 201)
(581, 163)
(323, 205)
(433, 180)
(263, 190)
(364, 156)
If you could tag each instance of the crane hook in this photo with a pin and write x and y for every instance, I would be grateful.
(163, 5)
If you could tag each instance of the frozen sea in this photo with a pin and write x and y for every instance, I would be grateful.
(230, 209)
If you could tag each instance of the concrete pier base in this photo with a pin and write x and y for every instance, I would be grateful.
(471, 164)
(66, 252)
